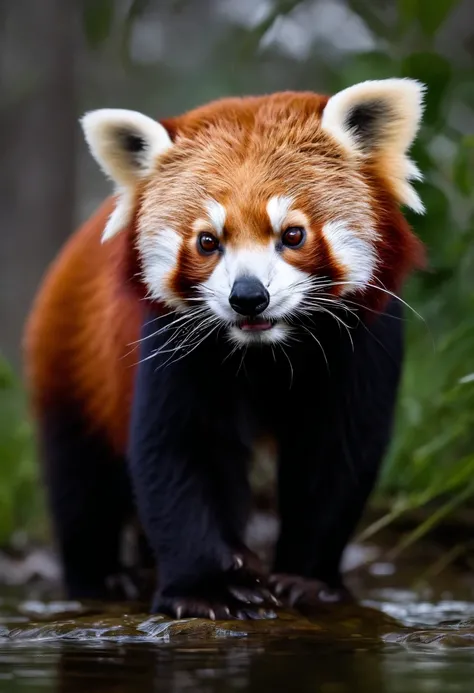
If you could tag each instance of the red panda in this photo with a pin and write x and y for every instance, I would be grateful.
(242, 281)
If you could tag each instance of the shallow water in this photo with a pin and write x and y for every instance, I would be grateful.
(428, 647)
(399, 639)
(277, 666)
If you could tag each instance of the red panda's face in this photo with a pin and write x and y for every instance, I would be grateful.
(249, 222)
(252, 213)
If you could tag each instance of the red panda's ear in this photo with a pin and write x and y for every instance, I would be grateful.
(126, 145)
(379, 120)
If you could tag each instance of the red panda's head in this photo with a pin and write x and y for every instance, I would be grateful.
(256, 211)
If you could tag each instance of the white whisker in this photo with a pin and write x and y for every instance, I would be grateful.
(319, 344)
(185, 318)
(169, 362)
(280, 344)
(242, 360)
(385, 291)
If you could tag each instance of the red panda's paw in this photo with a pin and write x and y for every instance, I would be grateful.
(223, 607)
(299, 592)
(247, 566)
(248, 580)
(240, 592)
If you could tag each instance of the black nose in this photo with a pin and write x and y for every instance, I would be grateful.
(249, 296)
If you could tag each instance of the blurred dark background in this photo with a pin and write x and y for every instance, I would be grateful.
(60, 58)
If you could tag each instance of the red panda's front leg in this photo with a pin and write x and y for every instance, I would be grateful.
(90, 501)
(188, 466)
(328, 470)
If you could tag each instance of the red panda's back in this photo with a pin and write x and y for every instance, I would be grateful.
(80, 333)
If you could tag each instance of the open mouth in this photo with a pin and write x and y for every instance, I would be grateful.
(256, 324)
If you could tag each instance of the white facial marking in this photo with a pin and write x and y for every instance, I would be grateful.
(277, 210)
(217, 215)
(282, 280)
(159, 255)
(356, 255)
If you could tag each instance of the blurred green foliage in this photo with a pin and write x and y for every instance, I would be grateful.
(21, 498)
(432, 456)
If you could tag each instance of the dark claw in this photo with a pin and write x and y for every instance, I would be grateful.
(248, 563)
(255, 614)
(283, 584)
(295, 594)
(220, 612)
(268, 614)
(269, 597)
(297, 591)
(246, 595)
(242, 594)
(238, 562)
(195, 608)
(278, 587)
(214, 609)
(248, 581)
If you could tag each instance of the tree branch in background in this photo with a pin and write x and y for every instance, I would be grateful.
(37, 134)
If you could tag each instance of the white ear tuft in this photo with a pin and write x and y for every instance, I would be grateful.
(126, 145)
(380, 119)
(121, 215)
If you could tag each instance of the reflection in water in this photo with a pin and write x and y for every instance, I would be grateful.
(298, 666)
(68, 648)
(239, 666)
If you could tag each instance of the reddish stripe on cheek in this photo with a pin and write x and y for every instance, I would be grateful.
(399, 253)
(192, 269)
(315, 258)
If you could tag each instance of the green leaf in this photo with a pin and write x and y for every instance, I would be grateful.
(407, 11)
(6, 515)
(432, 13)
(437, 218)
(6, 375)
(97, 18)
(434, 71)
(463, 167)
(369, 65)
(435, 518)
(429, 13)
(436, 227)
(420, 154)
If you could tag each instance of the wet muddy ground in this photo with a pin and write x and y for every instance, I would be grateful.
(412, 632)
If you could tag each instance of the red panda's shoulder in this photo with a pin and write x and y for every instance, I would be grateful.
(79, 333)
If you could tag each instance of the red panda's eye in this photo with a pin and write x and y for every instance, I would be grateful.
(207, 243)
(293, 237)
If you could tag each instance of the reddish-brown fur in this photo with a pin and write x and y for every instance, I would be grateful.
(244, 151)
(80, 335)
